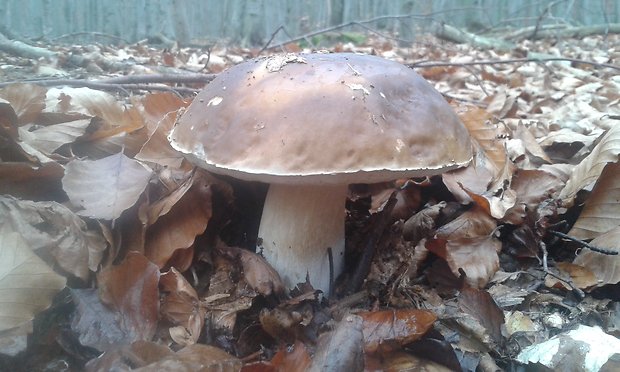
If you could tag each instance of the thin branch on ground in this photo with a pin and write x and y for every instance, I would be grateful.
(583, 244)
(130, 82)
(426, 64)
(363, 24)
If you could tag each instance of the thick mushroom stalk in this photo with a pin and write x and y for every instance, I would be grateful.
(299, 225)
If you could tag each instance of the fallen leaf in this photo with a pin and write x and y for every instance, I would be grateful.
(8, 120)
(52, 228)
(195, 357)
(477, 257)
(26, 99)
(130, 288)
(601, 212)
(531, 188)
(606, 268)
(48, 139)
(32, 182)
(481, 306)
(115, 118)
(105, 188)
(27, 284)
(490, 136)
(342, 349)
(136, 355)
(472, 223)
(97, 325)
(590, 168)
(531, 145)
(421, 224)
(259, 275)
(580, 277)
(402, 361)
(160, 114)
(293, 358)
(391, 329)
(178, 228)
(181, 307)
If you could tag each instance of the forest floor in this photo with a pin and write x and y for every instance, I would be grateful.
(118, 254)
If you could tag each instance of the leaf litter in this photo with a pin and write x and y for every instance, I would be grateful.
(467, 270)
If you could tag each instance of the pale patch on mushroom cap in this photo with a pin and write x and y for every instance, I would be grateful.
(332, 118)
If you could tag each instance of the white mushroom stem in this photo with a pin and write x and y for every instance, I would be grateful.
(299, 225)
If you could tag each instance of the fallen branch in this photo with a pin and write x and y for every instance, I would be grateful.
(584, 244)
(21, 49)
(427, 64)
(562, 31)
(130, 82)
(453, 34)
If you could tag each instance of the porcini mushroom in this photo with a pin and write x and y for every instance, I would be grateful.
(310, 125)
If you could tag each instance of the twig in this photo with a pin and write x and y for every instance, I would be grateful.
(426, 64)
(569, 282)
(584, 244)
(130, 82)
(97, 34)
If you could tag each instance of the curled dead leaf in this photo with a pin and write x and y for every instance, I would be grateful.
(391, 329)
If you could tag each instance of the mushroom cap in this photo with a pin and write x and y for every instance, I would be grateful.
(321, 118)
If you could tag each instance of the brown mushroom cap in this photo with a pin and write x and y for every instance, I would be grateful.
(332, 118)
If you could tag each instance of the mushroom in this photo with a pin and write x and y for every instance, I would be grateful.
(310, 125)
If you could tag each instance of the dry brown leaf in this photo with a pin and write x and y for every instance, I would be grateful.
(503, 104)
(590, 168)
(178, 228)
(605, 267)
(480, 305)
(421, 224)
(95, 103)
(8, 120)
(259, 275)
(602, 209)
(125, 357)
(97, 325)
(342, 349)
(150, 213)
(160, 113)
(52, 228)
(293, 358)
(530, 143)
(491, 137)
(27, 283)
(130, 289)
(402, 361)
(48, 139)
(197, 357)
(580, 277)
(476, 177)
(105, 188)
(477, 257)
(386, 330)
(26, 99)
(531, 188)
(181, 307)
(28, 181)
(473, 223)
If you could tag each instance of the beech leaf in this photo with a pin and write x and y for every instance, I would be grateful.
(606, 268)
(130, 288)
(106, 187)
(394, 328)
(27, 283)
(590, 168)
(602, 209)
(52, 228)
